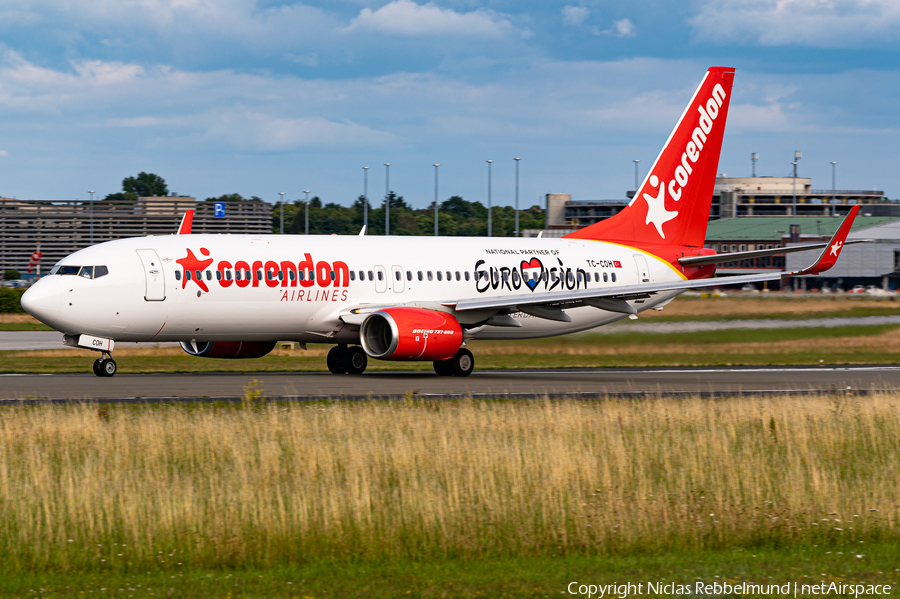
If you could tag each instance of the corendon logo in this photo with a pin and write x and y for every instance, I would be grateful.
(657, 214)
(192, 264)
(285, 273)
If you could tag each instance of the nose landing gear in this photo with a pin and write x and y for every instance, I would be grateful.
(105, 366)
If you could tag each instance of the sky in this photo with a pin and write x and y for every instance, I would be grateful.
(261, 97)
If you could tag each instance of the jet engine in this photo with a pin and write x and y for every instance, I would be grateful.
(410, 334)
(228, 349)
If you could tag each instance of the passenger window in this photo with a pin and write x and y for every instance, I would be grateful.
(505, 276)
(457, 275)
(515, 276)
(613, 277)
(352, 275)
(439, 275)
(292, 275)
(100, 271)
(209, 275)
(280, 275)
(604, 277)
(371, 276)
(227, 275)
(187, 275)
(409, 275)
(87, 272)
(397, 274)
(332, 275)
(430, 276)
(312, 275)
(420, 275)
(380, 276)
(238, 274)
(199, 275)
(596, 277)
(362, 276)
(246, 275)
(448, 275)
(259, 275)
(218, 275)
(177, 275)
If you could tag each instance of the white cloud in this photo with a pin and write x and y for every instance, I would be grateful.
(818, 23)
(257, 131)
(574, 15)
(622, 28)
(4, 153)
(406, 18)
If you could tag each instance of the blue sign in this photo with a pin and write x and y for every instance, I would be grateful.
(219, 211)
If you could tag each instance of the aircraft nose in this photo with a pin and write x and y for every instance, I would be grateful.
(43, 299)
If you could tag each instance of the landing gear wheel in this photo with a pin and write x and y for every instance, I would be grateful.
(106, 367)
(441, 368)
(357, 360)
(97, 366)
(462, 364)
(337, 359)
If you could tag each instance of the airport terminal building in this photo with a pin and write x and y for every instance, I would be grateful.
(59, 228)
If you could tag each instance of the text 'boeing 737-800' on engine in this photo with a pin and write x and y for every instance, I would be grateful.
(409, 298)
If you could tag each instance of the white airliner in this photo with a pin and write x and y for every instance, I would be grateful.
(409, 298)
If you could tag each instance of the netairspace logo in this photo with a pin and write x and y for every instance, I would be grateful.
(788, 589)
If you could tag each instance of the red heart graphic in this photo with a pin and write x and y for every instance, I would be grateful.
(534, 263)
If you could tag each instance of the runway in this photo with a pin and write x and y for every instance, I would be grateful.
(584, 384)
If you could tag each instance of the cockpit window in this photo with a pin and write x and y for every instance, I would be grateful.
(88, 272)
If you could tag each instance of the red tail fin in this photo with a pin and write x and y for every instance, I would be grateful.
(671, 206)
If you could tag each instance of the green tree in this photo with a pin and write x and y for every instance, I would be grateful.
(145, 185)
(12, 275)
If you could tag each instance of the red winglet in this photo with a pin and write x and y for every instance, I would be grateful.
(187, 222)
(831, 253)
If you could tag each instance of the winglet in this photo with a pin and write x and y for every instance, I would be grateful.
(187, 222)
(831, 253)
(362, 232)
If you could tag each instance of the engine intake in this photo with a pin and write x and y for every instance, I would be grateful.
(228, 349)
(410, 334)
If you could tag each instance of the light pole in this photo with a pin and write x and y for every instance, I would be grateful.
(91, 209)
(489, 162)
(436, 166)
(307, 212)
(387, 198)
(833, 193)
(636, 176)
(794, 183)
(517, 195)
(281, 193)
(366, 197)
(753, 158)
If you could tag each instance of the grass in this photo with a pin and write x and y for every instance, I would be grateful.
(878, 344)
(450, 499)
(510, 577)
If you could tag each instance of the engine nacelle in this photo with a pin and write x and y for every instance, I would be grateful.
(228, 349)
(410, 334)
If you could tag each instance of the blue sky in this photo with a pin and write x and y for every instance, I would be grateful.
(223, 96)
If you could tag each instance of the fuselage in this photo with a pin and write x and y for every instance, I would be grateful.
(296, 288)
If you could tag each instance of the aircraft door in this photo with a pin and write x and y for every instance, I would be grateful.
(380, 279)
(155, 290)
(643, 270)
(397, 282)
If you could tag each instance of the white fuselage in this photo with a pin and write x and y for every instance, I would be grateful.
(146, 295)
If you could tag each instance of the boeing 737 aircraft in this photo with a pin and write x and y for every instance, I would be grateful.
(409, 298)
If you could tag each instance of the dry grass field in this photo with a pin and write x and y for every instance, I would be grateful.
(134, 489)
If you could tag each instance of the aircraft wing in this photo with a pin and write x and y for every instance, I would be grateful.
(613, 298)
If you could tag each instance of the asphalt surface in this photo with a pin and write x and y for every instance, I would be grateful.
(514, 383)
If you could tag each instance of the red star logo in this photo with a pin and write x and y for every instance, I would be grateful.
(193, 264)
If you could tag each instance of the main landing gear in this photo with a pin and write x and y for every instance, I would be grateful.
(347, 360)
(105, 365)
(462, 364)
